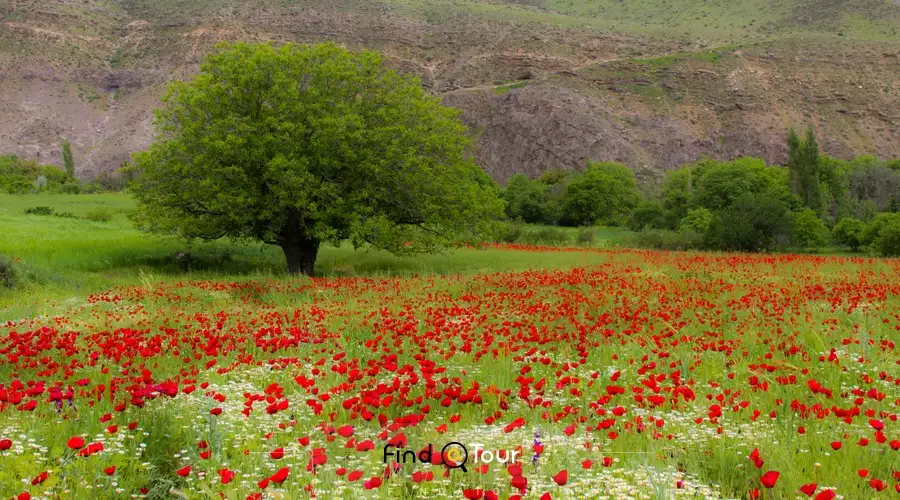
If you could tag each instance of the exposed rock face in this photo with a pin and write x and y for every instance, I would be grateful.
(534, 129)
(536, 96)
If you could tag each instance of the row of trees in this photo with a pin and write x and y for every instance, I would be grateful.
(20, 176)
(736, 205)
(605, 193)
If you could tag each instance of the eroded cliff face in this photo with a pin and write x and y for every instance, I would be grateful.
(536, 96)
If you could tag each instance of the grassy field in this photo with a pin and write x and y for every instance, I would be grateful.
(67, 257)
(610, 373)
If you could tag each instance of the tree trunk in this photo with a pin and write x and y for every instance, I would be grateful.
(300, 254)
(299, 248)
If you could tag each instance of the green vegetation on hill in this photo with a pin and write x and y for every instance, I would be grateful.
(712, 20)
(742, 204)
(18, 176)
(22, 176)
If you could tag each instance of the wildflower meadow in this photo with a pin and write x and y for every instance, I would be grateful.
(628, 374)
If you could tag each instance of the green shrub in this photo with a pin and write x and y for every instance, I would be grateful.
(552, 236)
(70, 188)
(99, 215)
(7, 272)
(91, 188)
(872, 231)
(511, 232)
(15, 184)
(888, 241)
(647, 214)
(808, 231)
(755, 222)
(849, 232)
(39, 211)
(586, 236)
(665, 239)
(19, 176)
(696, 221)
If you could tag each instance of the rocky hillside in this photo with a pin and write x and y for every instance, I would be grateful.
(542, 83)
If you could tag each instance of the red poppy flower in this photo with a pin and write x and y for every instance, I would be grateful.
(809, 489)
(280, 475)
(277, 453)
(184, 471)
(473, 494)
(769, 478)
(562, 477)
(226, 475)
(877, 484)
(90, 449)
(110, 470)
(75, 443)
(372, 483)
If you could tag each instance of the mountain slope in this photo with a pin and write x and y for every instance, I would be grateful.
(543, 83)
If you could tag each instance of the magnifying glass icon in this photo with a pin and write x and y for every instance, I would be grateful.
(455, 455)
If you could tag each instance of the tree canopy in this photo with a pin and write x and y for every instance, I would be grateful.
(803, 163)
(605, 193)
(721, 184)
(296, 146)
(525, 199)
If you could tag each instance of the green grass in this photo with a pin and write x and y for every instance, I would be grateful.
(710, 56)
(66, 258)
(506, 87)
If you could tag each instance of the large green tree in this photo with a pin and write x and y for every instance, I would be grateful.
(605, 193)
(68, 162)
(525, 199)
(296, 146)
(754, 222)
(721, 184)
(803, 162)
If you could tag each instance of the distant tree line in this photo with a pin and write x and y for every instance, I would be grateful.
(813, 201)
(20, 176)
